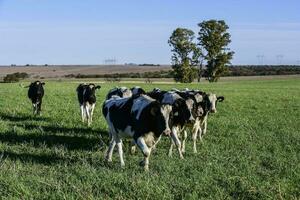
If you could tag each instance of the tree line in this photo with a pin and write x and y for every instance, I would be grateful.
(211, 47)
(235, 70)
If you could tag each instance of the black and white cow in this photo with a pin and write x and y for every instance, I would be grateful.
(143, 119)
(182, 114)
(36, 94)
(196, 111)
(120, 92)
(207, 104)
(87, 100)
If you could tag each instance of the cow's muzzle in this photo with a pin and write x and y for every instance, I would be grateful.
(167, 132)
(213, 111)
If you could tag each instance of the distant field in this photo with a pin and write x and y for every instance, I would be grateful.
(251, 150)
(57, 71)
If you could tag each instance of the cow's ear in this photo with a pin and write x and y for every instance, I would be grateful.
(154, 110)
(98, 87)
(43, 83)
(220, 98)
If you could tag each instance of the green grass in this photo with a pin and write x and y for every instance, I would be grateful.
(251, 150)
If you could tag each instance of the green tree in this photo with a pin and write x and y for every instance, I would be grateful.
(214, 39)
(185, 55)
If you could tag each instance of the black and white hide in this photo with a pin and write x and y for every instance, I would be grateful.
(137, 91)
(209, 105)
(87, 101)
(182, 115)
(143, 119)
(120, 92)
(36, 94)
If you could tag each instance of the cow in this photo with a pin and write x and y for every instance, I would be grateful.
(198, 112)
(36, 94)
(182, 114)
(209, 105)
(87, 100)
(143, 119)
(119, 91)
(207, 102)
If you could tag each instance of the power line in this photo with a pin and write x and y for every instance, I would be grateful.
(279, 59)
(110, 61)
(260, 59)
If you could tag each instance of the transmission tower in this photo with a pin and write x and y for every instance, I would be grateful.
(110, 61)
(260, 59)
(279, 59)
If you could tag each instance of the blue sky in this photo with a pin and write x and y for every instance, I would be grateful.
(89, 31)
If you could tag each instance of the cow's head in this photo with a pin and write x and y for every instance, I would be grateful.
(160, 115)
(210, 102)
(197, 96)
(91, 88)
(137, 91)
(124, 92)
(191, 104)
(37, 87)
(182, 111)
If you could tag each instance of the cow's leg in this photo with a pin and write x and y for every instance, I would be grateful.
(88, 115)
(171, 148)
(200, 133)
(120, 150)
(204, 126)
(82, 111)
(39, 107)
(33, 108)
(133, 147)
(195, 130)
(145, 150)
(92, 111)
(194, 137)
(176, 140)
(110, 150)
(154, 145)
(183, 141)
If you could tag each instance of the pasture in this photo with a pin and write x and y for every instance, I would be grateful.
(251, 149)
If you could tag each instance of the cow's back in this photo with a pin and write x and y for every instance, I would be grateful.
(117, 112)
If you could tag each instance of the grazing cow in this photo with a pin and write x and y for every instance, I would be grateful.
(35, 94)
(87, 100)
(119, 91)
(182, 114)
(142, 119)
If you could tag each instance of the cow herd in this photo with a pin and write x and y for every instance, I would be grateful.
(144, 116)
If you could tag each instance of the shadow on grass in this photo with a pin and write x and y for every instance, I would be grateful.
(46, 159)
(51, 140)
(54, 129)
(52, 159)
(21, 117)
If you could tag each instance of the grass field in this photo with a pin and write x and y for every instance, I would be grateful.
(251, 150)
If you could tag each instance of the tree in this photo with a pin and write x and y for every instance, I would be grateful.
(185, 55)
(214, 39)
